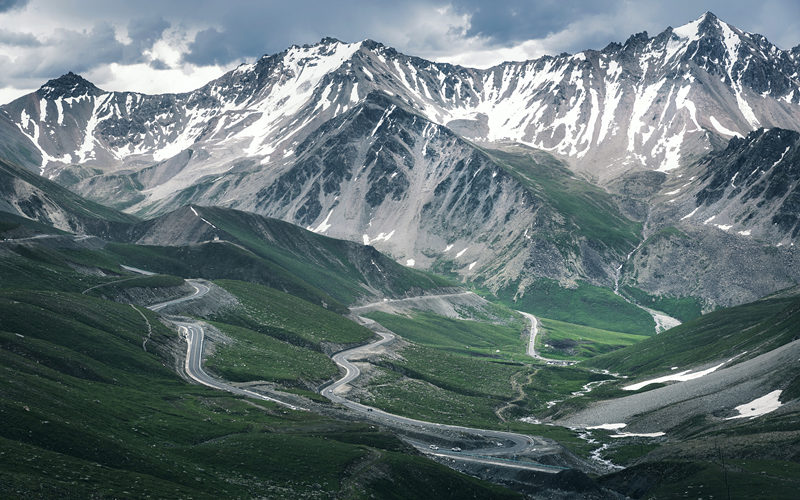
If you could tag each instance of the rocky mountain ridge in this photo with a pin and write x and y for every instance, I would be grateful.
(648, 103)
(360, 142)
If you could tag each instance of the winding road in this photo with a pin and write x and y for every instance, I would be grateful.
(504, 448)
(194, 334)
(532, 343)
(505, 443)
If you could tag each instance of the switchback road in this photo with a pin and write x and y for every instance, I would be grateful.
(194, 333)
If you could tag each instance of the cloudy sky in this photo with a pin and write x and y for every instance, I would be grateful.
(176, 45)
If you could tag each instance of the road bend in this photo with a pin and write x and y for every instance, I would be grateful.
(504, 443)
(194, 334)
(534, 331)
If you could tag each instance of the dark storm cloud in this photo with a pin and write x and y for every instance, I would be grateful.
(75, 51)
(512, 21)
(255, 29)
(79, 51)
(517, 20)
(18, 39)
(252, 29)
(146, 31)
(6, 5)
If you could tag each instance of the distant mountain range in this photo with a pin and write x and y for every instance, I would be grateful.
(561, 167)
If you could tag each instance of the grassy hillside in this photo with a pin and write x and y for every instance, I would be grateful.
(682, 308)
(583, 305)
(561, 340)
(88, 412)
(33, 195)
(215, 260)
(756, 328)
(465, 336)
(279, 254)
(589, 211)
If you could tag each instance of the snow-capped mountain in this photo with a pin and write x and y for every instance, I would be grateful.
(651, 103)
(751, 188)
(358, 141)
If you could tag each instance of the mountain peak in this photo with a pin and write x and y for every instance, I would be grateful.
(706, 24)
(69, 85)
(708, 16)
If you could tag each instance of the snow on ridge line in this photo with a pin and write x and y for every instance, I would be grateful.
(381, 237)
(673, 377)
(690, 214)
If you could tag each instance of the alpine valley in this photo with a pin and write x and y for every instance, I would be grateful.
(323, 272)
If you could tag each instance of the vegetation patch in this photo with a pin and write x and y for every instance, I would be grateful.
(585, 304)
(465, 336)
(256, 356)
(288, 318)
(561, 340)
(752, 328)
(682, 308)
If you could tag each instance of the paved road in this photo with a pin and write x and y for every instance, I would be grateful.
(199, 290)
(507, 443)
(75, 237)
(194, 333)
(472, 456)
(532, 343)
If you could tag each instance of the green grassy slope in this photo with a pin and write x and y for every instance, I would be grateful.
(583, 305)
(756, 328)
(589, 212)
(339, 267)
(561, 340)
(282, 255)
(87, 412)
(282, 315)
(457, 335)
(682, 308)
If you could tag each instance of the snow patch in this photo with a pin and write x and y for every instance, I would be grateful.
(759, 406)
(202, 219)
(637, 434)
(675, 377)
(608, 427)
(459, 254)
(323, 226)
(472, 265)
(381, 237)
(448, 248)
(690, 214)
(410, 262)
(721, 129)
